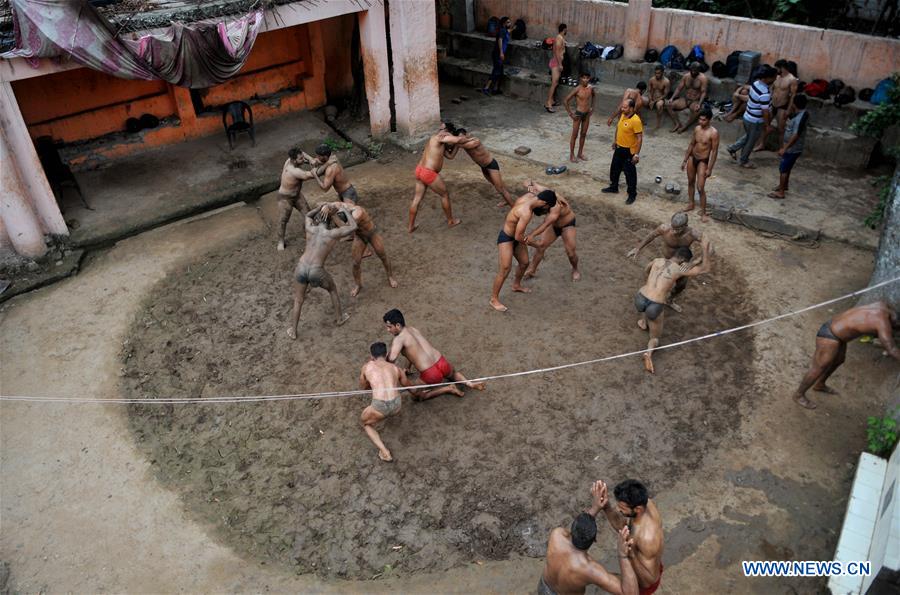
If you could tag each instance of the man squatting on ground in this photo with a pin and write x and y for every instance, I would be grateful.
(325, 226)
(559, 222)
(569, 567)
(490, 169)
(289, 195)
(512, 240)
(831, 344)
(695, 86)
(699, 160)
(428, 174)
(674, 235)
(433, 367)
(366, 235)
(658, 90)
(636, 511)
(556, 66)
(626, 151)
(385, 380)
(584, 95)
(650, 300)
(792, 147)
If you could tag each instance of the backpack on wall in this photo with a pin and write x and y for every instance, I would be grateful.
(590, 51)
(835, 86)
(651, 56)
(882, 91)
(667, 53)
(696, 55)
(845, 96)
(866, 94)
(719, 70)
(613, 52)
(518, 30)
(816, 88)
(731, 64)
(492, 25)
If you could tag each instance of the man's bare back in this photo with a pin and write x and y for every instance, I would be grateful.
(477, 151)
(871, 319)
(520, 214)
(661, 279)
(320, 239)
(384, 379)
(412, 345)
(335, 176)
(634, 94)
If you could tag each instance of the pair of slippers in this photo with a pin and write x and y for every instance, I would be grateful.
(555, 170)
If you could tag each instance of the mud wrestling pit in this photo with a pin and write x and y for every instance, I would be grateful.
(485, 477)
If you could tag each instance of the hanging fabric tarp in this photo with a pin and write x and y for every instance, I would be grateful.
(198, 55)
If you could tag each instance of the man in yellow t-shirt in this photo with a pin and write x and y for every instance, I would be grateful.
(626, 151)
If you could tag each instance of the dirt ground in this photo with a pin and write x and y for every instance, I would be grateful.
(230, 497)
(279, 479)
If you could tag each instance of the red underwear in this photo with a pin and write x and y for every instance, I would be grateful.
(652, 588)
(437, 373)
(425, 175)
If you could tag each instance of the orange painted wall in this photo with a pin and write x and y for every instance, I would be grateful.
(83, 104)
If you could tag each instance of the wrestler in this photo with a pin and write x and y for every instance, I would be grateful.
(585, 97)
(636, 511)
(569, 567)
(673, 236)
(738, 103)
(334, 176)
(490, 169)
(289, 195)
(433, 367)
(511, 241)
(325, 226)
(559, 222)
(657, 91)
(650, 300)
(695, 86)
(366, 236)
(784, 89)
(385, 380)
(831, 344)
(636, 95)
(699, 160)
(556, 66)
(428, 174)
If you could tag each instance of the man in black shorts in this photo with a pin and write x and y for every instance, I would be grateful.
(559, 223)
(490, 169)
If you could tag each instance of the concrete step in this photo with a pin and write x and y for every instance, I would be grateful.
(836, 147)
(528, 55)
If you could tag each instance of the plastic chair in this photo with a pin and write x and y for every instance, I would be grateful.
(239, 123)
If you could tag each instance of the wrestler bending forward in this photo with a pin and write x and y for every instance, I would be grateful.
(433, 367)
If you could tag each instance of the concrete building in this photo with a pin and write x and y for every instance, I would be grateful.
(300, 60)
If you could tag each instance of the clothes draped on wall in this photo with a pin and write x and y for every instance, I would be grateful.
(196, 55)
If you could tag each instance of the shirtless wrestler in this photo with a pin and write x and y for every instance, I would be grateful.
(366, 235)
(289, 195)
(657, 91)
(585, 96)
(831, 344)
(385, 380)
(636, 94)
(325, 226)
(512, 241)
(569, 567)
(650, 300)
(333, 174)
(784, 89)
(433, 367)
(636, 511)
(694, 85)
(674, 235)
(699, 160)
(428, 174)
(559, 222)
(490, 169)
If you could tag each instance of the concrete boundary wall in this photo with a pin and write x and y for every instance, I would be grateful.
(859, 60)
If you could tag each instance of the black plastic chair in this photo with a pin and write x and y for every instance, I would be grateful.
(57, 171)
(239, 123)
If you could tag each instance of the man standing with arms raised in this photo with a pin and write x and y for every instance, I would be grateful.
(569, 567)
(626, 151)
(639, 514)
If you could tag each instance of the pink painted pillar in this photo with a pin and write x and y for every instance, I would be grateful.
(373, 44)
(637, 29)
(23, 157)
(414, 58)
(19, 220)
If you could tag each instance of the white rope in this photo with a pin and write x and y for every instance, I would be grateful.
(351, 393)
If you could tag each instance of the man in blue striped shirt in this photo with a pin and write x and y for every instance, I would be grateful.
(756, 117)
